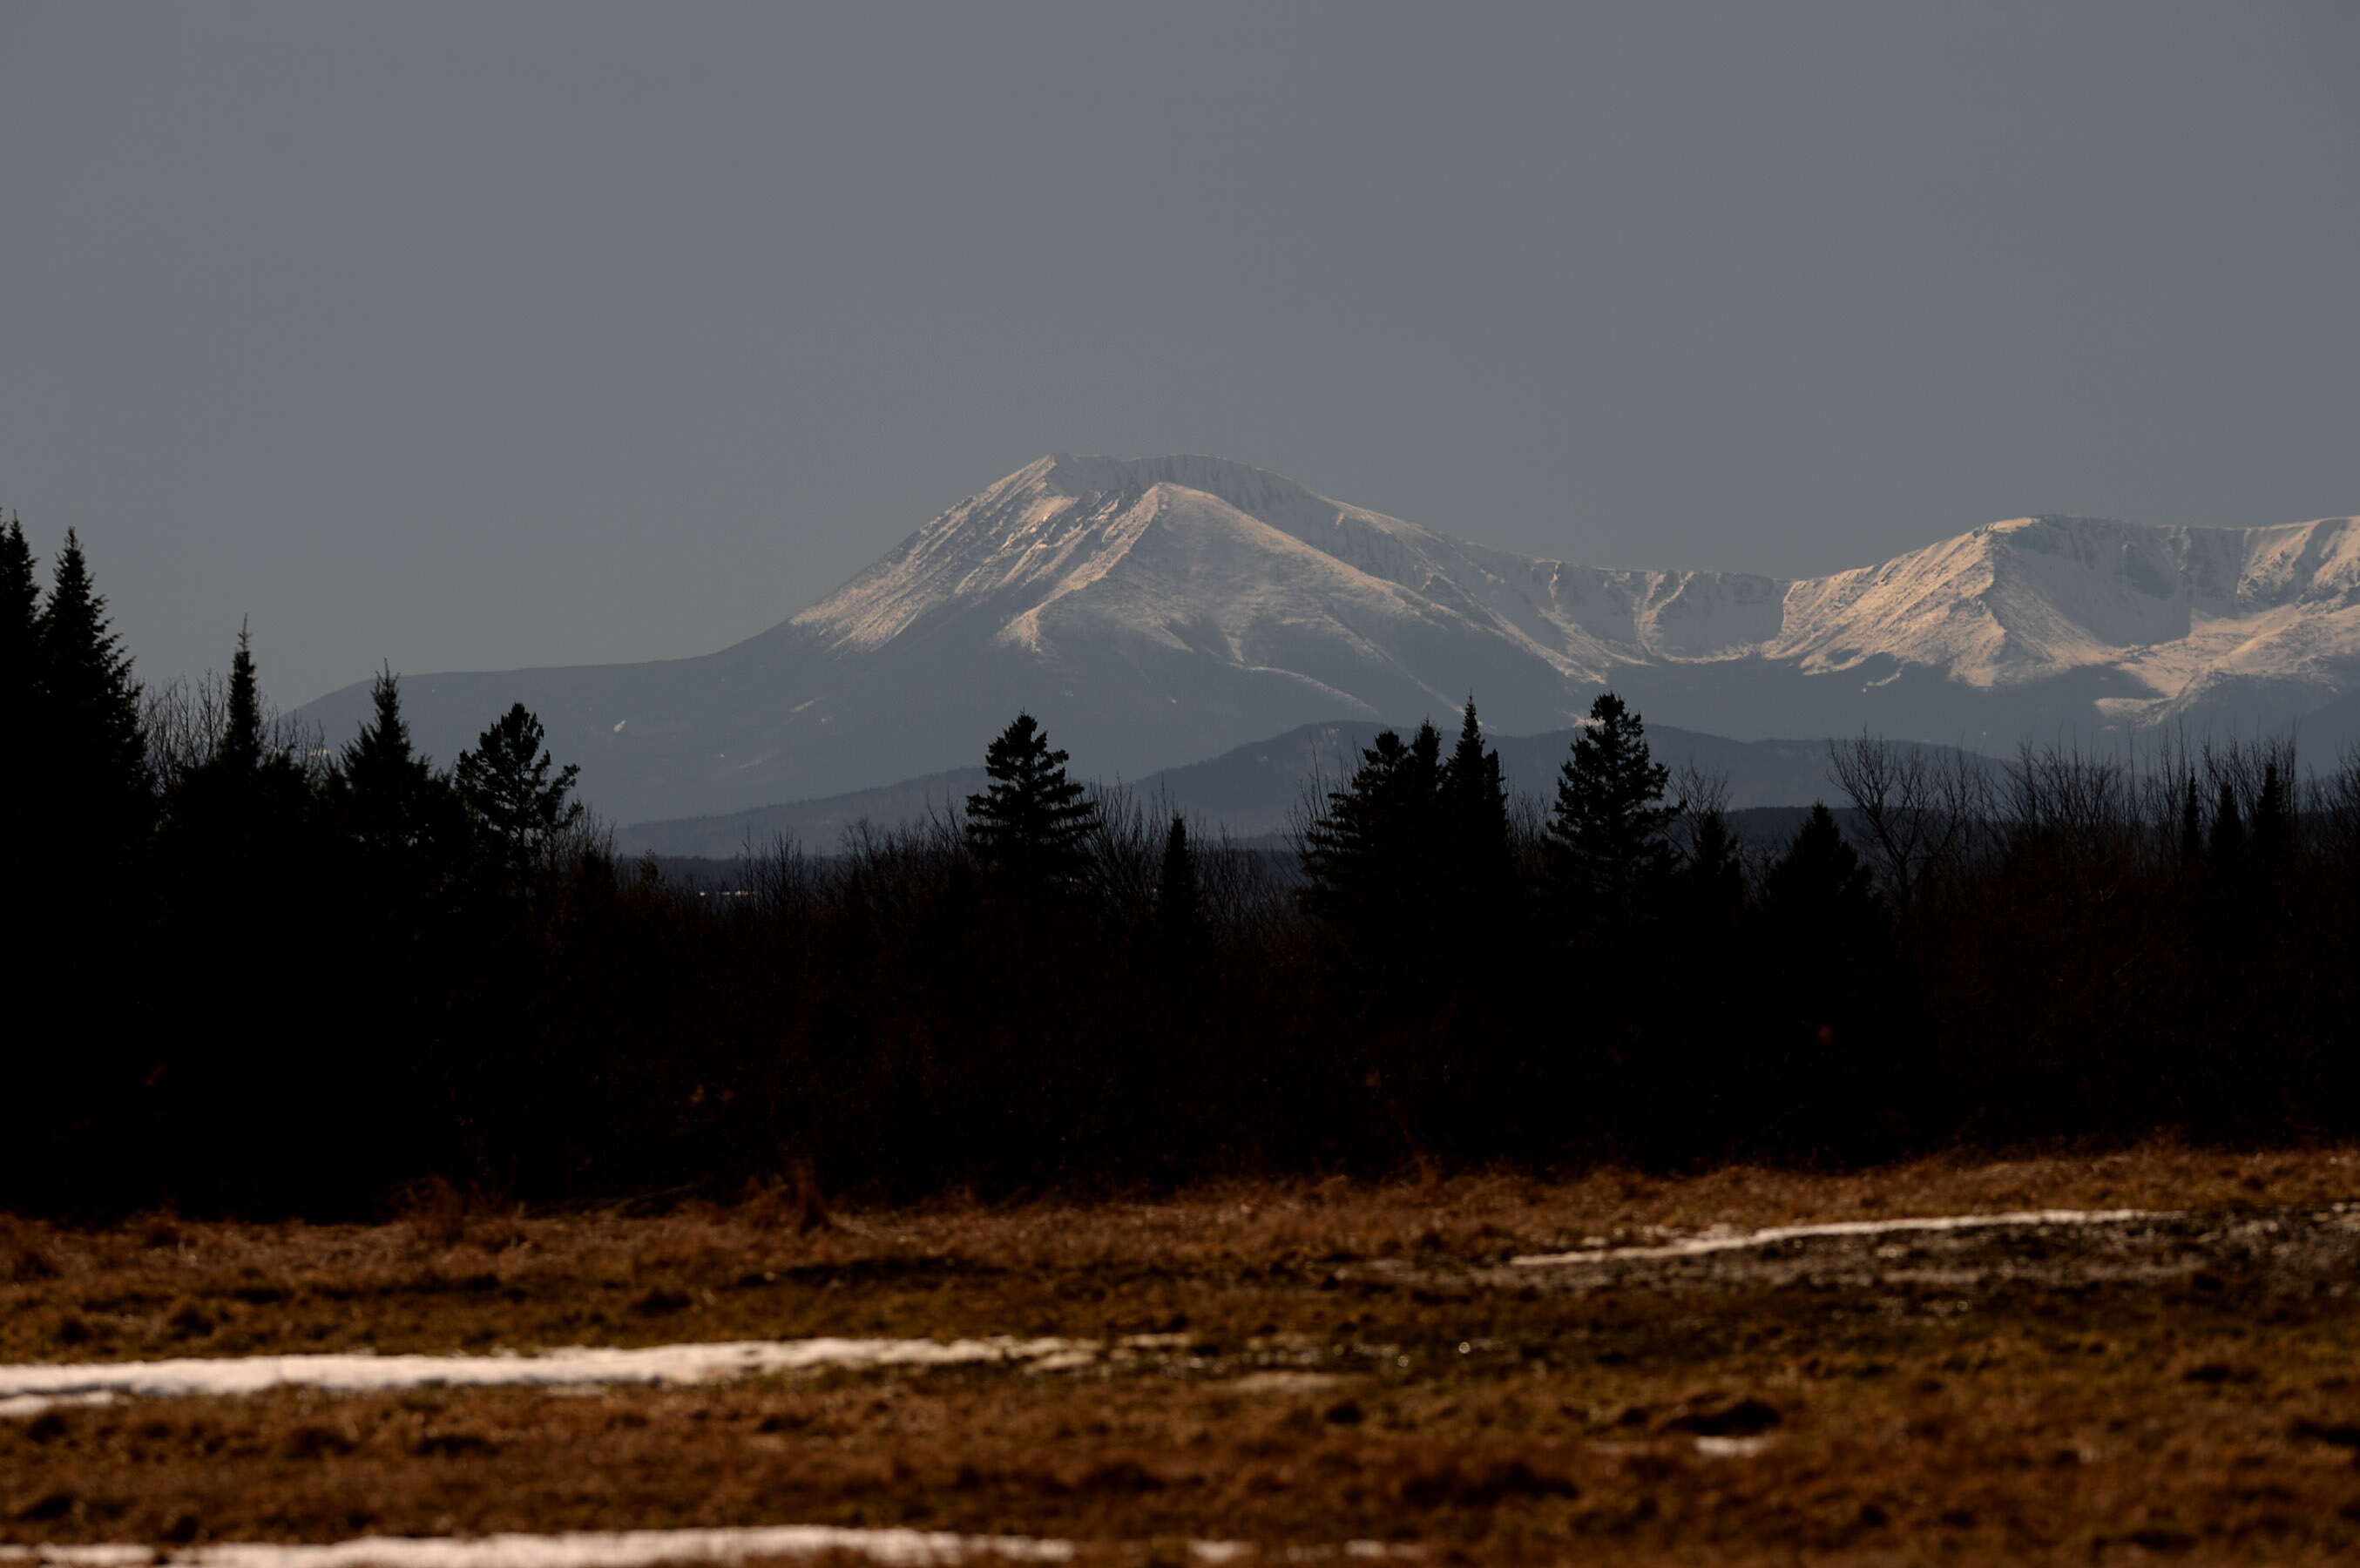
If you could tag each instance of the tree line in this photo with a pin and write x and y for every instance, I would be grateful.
(241, 941)
(273, 975)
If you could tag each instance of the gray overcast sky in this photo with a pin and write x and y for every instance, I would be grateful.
(474, 336)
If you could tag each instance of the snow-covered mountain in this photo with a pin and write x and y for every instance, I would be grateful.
(1158, 611)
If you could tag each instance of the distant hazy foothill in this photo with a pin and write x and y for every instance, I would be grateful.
(1160, 612)
(1253, 791)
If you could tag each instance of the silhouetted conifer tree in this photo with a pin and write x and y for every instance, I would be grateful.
(242, 877)
(20, 644)
(236, 818)
(2273, 828)
(1693, 1083)
(248, 791)
(2227, 842)
(1712, 879)
(1375, 862)
(21, 623)
(1826, 978)
(240, 745)
(1031, 826)
(34, 1061)
(2191, 821)
(98, 797)
(1475, 825)
(1820, 887)
(400, 855)
(1179, 903)
(514, 793)
(1610, 817)
(388, 800)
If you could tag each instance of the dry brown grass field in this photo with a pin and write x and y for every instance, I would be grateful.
(1326, 1363)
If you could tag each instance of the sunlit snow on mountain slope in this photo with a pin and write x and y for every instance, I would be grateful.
(1158, 611)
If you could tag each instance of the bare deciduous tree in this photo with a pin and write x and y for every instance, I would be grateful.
(1918, 811)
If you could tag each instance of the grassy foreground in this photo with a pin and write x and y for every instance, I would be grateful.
(1333, 1363)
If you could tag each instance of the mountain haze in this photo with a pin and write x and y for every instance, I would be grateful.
(1158, 611)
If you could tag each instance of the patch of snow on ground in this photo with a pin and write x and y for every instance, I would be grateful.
(1697, 1246)
(661, 1364)
(19, 1404)
(586, 1549)
(632, 1549)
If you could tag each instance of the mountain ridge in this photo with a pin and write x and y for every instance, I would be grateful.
(1253, 790)
(1155, 611)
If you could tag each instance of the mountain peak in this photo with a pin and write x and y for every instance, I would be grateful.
(1257, 492)
(1154, 609)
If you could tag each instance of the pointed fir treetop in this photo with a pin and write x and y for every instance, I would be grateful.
(513, 789)
(82, 658)
(1178, 901)
(388, 796)
(380, 754)
(241, 746)
(90, 701)
(20, 598)
(1473, 778)
(1610, 816)
(1372, 859)
(20, 627)
(2274, 834)
(1474, 801)
(1715, 874)
(2228, 843)
(1820, 875)
(1389, 797)
(1031, 821)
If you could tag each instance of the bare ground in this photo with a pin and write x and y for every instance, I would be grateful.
(1340, 1363)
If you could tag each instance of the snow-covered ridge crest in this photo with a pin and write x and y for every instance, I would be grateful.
(2017, 602)
(1254, 557)
(1210, 558)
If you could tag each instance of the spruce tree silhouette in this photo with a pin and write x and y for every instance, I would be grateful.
(519, 805)
(98, 796)
(1374, 861)
(20, 624)
(1475, 823)
(2191, 820)
(389, 801)
(1712, 882)
(399, 848)
(239, 853)
(20, 645)
(40, 1069)
(1179, 903)
(2228, 843)
(1820, 887)
(2273, 829)
(1031, 826)
(1610, 822)
(1826, 965)
(241, 745)
(236, 820)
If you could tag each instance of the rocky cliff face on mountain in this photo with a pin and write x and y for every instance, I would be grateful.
(1158, 611)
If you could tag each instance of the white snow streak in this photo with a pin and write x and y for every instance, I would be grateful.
(1697, 1246)
(25, 1389)
(631, 1549)
(602, 1548)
